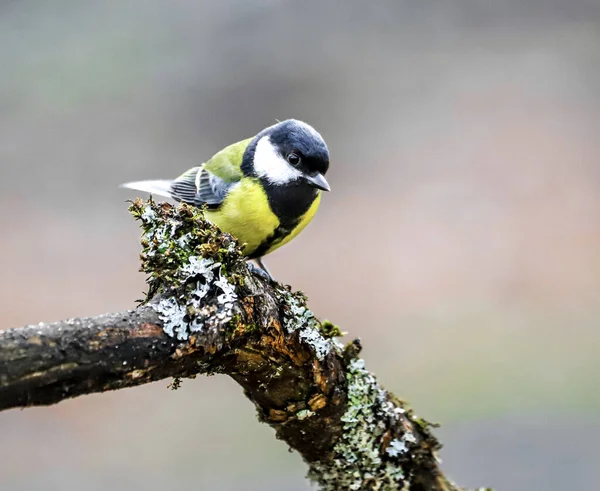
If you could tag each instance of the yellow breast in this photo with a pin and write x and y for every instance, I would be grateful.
(246, 214)
(304, 221)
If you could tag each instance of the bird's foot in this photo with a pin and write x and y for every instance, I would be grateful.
(257, 267)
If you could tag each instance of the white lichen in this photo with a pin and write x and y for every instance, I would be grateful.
(148, 215)
(173, 226)
(358, 455)
(228, 295)
(409, 437)
(191, 313)
(172, 316)
(184, 240)
(320, 345)
(198, 266)
(299, 318)
(304, 413)
(396, 447)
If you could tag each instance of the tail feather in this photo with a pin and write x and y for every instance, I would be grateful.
(159, 187)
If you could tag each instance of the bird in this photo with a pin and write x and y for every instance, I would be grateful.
(262, 190)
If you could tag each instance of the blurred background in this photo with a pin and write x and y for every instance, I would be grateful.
(461, 240)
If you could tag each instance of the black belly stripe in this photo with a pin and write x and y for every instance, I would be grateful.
(278, 235)
(289, 202)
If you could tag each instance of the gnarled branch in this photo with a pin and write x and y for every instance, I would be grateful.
(207, 313)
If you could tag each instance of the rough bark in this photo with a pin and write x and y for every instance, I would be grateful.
(207, 313)
(46, 363)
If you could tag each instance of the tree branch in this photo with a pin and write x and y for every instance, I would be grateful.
(206, 313)
(46, 363)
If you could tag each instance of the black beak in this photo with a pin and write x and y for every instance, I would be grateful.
(318, 181)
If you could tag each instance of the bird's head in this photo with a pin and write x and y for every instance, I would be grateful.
(291, 151)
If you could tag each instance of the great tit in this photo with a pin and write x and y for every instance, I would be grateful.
(263, 190)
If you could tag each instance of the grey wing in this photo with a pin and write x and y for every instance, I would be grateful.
(212, 190)
(197, 186)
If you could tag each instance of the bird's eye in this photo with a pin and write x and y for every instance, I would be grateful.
(293, 158)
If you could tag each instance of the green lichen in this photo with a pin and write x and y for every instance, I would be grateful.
(362, 458)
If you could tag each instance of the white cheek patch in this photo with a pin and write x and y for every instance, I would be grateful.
(272, 166)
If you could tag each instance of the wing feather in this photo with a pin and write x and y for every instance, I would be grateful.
(207, 184)
(159, 187)
(212, 189)
(184, 187)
